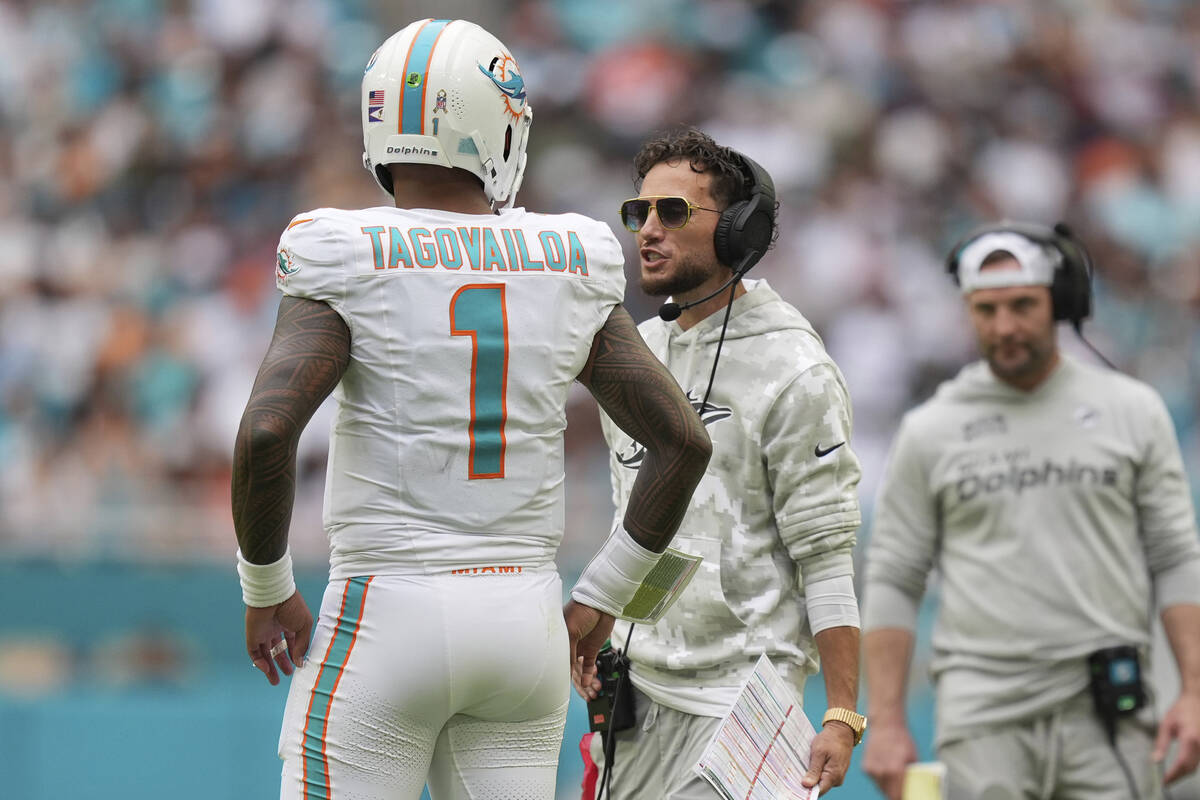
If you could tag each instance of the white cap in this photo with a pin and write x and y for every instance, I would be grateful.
(1037, 262)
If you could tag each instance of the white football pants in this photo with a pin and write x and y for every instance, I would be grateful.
(458, 680)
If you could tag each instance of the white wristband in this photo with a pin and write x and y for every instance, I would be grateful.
(613, 576)
(265, 585)
(831, 603)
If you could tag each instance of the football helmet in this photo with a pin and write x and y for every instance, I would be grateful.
(446, 92)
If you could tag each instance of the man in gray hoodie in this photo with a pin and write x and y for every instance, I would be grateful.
(775, 515)
(1051, 497)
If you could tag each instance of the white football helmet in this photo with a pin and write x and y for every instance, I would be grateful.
(446, 92)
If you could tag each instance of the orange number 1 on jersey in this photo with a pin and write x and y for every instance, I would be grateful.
(477, 310)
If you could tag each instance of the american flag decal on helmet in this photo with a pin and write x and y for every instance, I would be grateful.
(375, 105)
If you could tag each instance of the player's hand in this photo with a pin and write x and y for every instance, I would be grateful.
(587, 630)
(1182, 724)
(889, 750)
(289, 623)
(829, 757)
(592, 690)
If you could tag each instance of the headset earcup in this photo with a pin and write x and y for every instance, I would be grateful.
(1072, 288)
(726, 239)
(756, 226)
(952, 258)
(1061, 294)
(747, 226)
(743, 227)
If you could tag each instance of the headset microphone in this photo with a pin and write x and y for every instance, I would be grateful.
(669, 312)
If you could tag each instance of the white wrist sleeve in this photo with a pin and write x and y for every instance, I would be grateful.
(613, 576)
(831, 603)
(266, 585)
(1178, 584)
(888, 606)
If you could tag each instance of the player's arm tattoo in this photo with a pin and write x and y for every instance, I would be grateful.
(307, 357)
(643, 399)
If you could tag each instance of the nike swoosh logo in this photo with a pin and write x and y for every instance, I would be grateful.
(819, 453)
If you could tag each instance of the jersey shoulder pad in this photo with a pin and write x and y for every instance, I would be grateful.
(602, 247)
(310, 256)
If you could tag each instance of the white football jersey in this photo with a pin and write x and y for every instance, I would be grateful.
(467, 331)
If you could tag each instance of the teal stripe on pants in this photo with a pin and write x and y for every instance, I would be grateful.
(316, 765)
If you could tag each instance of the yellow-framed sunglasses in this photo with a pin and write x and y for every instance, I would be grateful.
(673, 211)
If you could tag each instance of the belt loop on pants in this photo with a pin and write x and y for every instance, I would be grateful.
(1052, 730)
(651, 717)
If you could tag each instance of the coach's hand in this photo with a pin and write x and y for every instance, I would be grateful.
(278, 635)
(889, 750)
(829, 757)
(587, 629)
(1182, 724)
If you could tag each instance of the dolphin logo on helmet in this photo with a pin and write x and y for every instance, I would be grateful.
(513, 88)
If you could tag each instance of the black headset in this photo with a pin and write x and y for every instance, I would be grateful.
(743, 233)
(1071, 291)
(745, 229)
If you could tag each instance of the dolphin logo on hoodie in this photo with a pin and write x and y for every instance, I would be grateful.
(632, 459)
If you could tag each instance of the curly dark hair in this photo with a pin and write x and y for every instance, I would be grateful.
(705, 156)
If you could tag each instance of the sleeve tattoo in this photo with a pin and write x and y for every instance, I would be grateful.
(641, 396)
(308, 355)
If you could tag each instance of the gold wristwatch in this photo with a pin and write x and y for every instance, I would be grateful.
(856, 721)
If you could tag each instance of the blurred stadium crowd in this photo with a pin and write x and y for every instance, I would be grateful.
(151, 153)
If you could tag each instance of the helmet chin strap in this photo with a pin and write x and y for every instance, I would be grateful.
(523, 125)
(509, 192)
(487, 160)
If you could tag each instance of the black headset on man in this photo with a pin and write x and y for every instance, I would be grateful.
(1071, 291)
(743, 233)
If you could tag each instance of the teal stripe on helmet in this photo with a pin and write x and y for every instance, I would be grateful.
(416, 73)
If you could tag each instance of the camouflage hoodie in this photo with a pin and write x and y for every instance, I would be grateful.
(778, 504)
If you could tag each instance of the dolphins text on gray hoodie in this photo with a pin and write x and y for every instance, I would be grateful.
(1049, 515)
